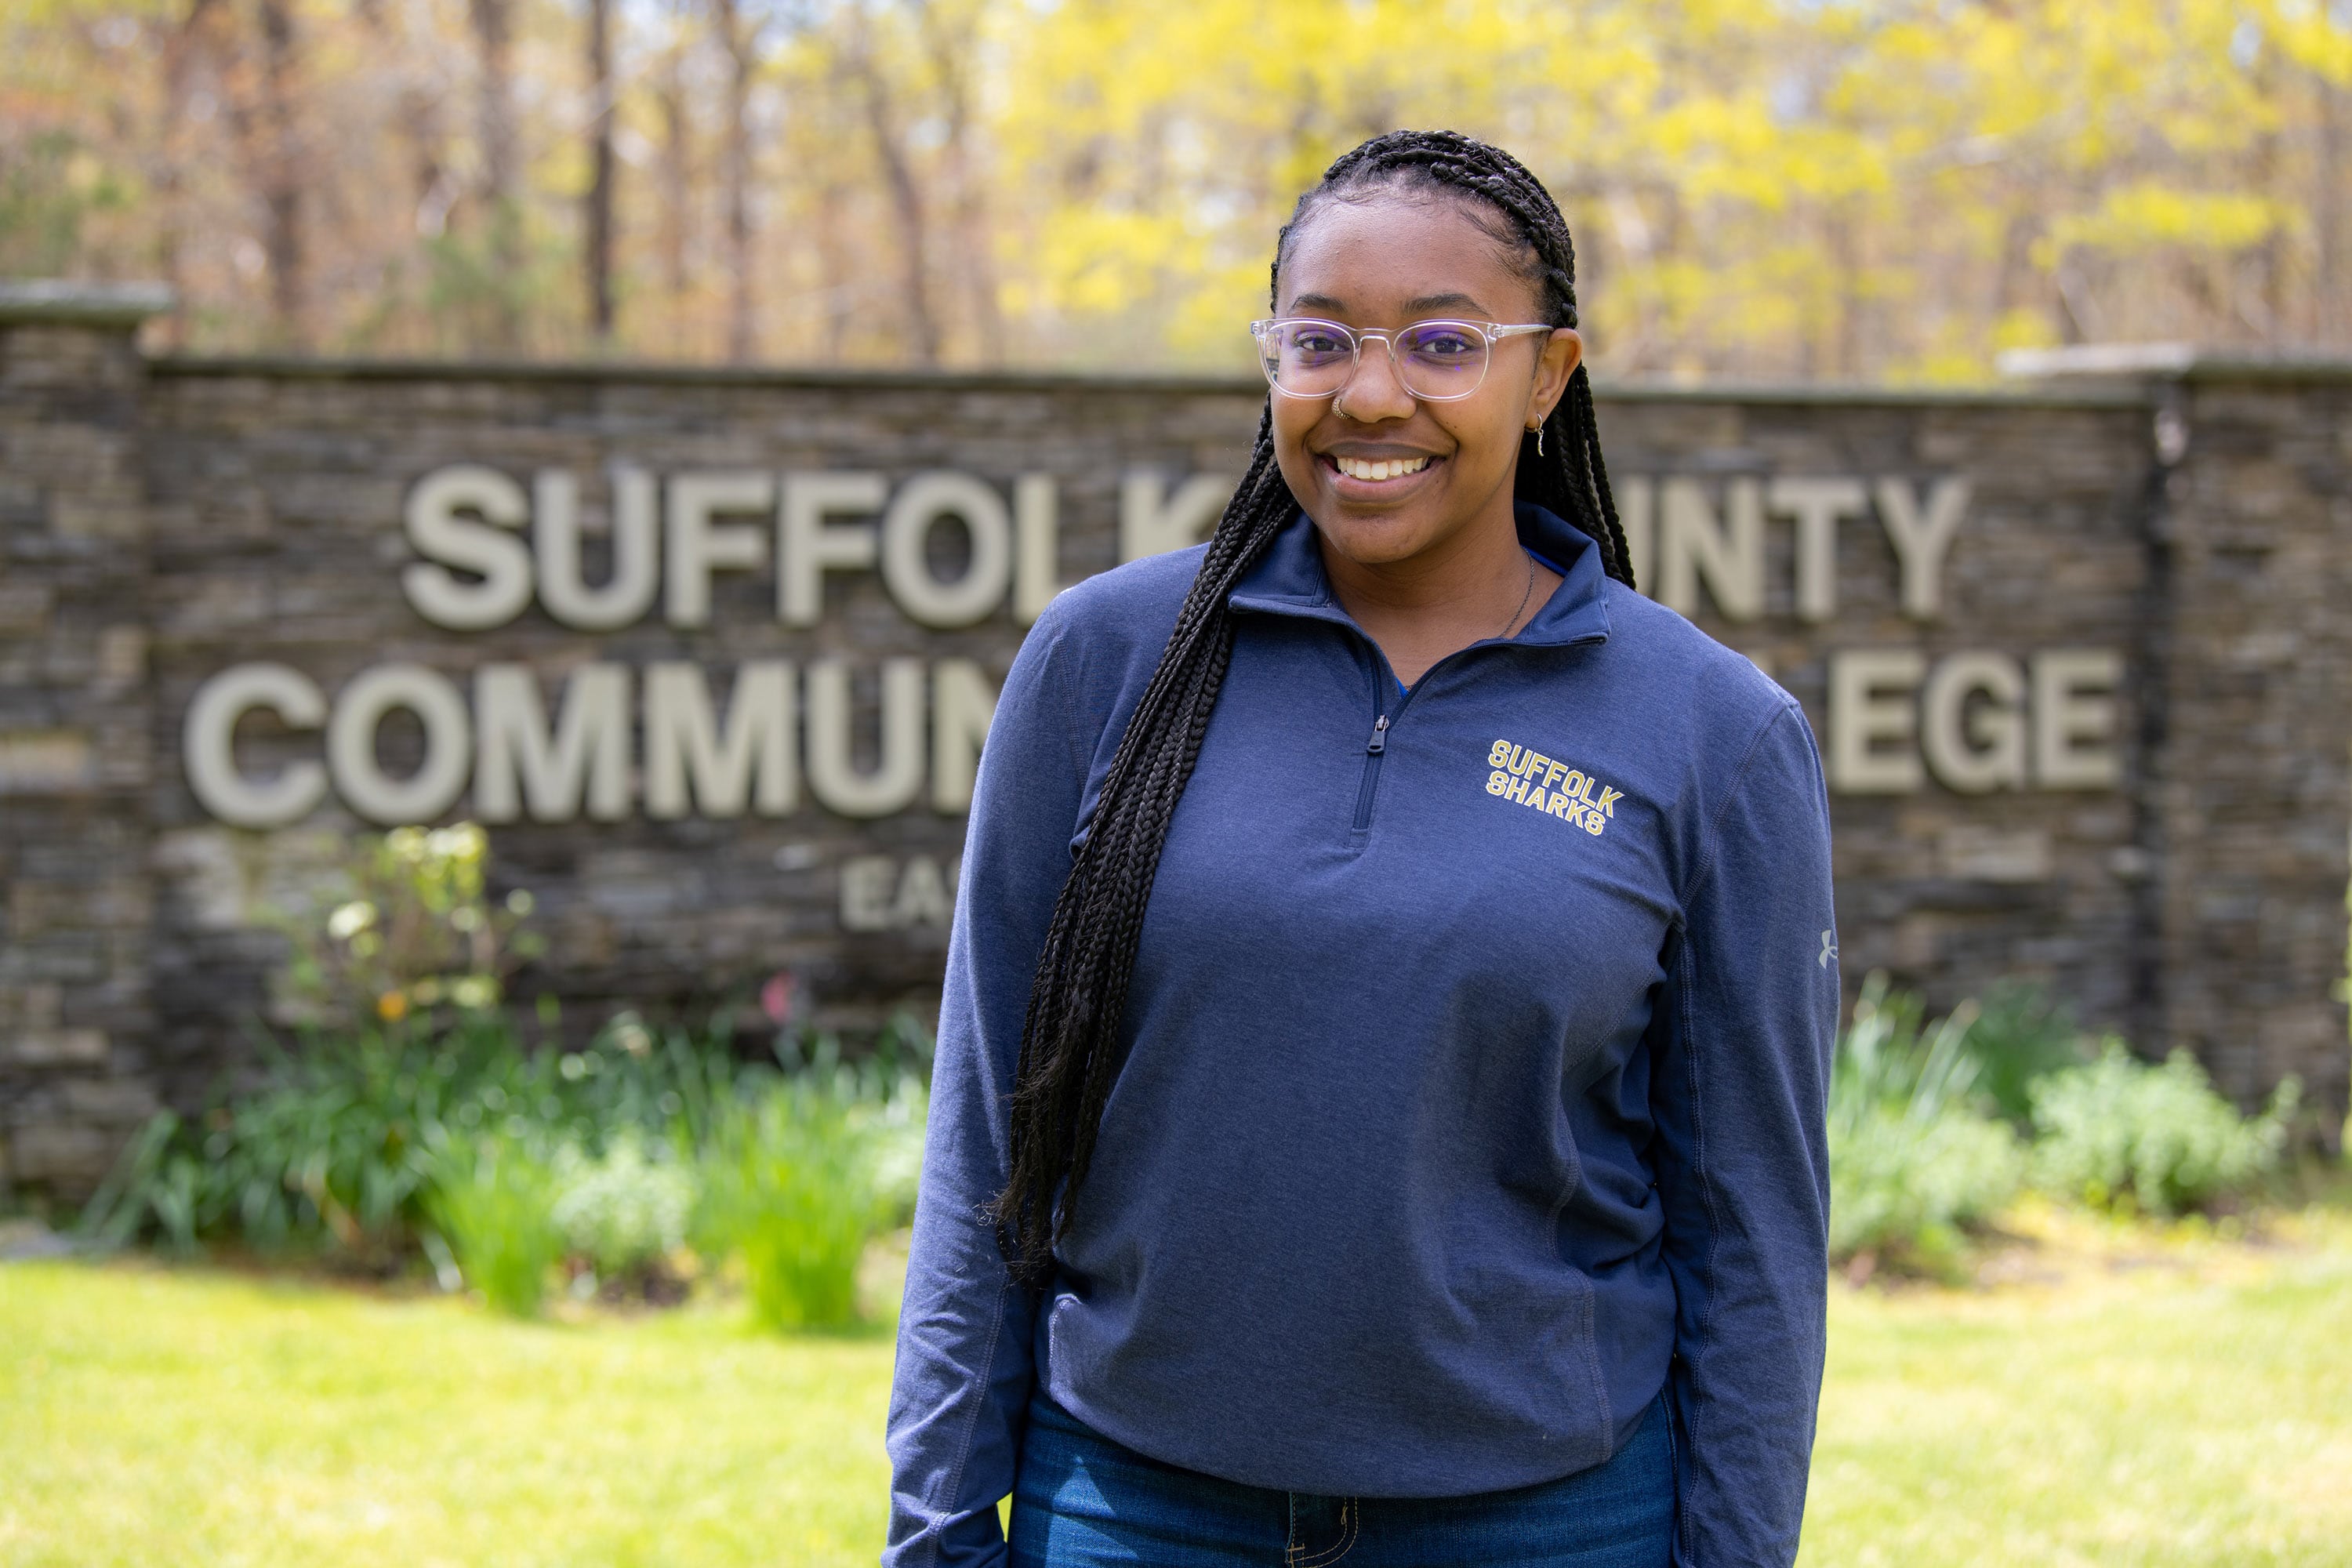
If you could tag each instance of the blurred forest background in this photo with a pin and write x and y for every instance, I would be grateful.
(1887, 190)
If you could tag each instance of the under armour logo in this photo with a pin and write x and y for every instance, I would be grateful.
(1829, 947)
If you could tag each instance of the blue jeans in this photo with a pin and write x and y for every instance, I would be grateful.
(1083, 1501)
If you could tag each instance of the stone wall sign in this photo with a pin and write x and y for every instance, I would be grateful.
(714, 654)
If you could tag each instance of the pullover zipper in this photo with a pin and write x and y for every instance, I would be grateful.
(1373, 750)
(1377, 746)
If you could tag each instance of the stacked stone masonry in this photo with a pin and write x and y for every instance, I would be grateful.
(2137, 622)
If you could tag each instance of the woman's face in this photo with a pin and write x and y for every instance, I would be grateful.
(1386, 262)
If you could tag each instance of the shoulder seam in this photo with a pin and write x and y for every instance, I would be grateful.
(1068, 688)
(1731, 792)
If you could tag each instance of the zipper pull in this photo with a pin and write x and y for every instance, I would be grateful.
(1379, 731)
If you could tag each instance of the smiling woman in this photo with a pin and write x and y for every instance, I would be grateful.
(1332, 1156)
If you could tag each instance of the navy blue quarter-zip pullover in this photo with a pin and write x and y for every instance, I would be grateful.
(1477, 1053)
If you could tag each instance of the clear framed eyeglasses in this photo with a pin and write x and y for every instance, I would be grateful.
(1436, 361)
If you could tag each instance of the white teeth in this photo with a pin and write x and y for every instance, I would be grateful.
(1358, 469)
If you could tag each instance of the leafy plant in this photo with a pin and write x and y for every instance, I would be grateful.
(888, 1091)
(493, 1198)
(625, 1212)
(2020, 1035)
(2122, 1132)
(157, 1185)
(52, 185)
(427, 1125)
(1912, 1160)
(332, 1148)
(417, 932)
(895, 1127)
(788, 1187)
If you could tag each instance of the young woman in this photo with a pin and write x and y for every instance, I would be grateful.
(1377, 1111)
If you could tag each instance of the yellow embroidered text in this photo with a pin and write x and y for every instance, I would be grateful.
(1525, 776)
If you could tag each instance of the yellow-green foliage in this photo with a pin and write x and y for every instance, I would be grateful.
(1891, 189)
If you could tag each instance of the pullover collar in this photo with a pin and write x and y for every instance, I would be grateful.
(1289, 580)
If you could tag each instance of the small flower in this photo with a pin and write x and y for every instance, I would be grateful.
(350, 920)
(392, 1006)
(776, 998)
(464, 842)
(632, 1036)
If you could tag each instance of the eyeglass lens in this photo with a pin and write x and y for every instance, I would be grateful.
(1434, 359)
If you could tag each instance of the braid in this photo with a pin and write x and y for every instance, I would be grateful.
(1069, 1037)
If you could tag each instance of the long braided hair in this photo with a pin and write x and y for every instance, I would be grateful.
(1069, 1041)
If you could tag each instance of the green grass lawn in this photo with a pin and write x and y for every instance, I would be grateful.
(2153, 1404)
(153, 1417)
(2121, 1398)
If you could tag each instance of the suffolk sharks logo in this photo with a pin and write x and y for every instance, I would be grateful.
(1525, 776)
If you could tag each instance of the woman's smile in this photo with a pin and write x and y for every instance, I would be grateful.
(1376, 475)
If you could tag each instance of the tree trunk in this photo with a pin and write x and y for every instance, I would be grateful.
(676, 184)
(281, 178)
(2267, 316)
(1845, 248)
(493, 41)
(951, 51)
(598, 219)
(735, 178)
(420, 123)
(922, 334)
(2331, 278)
(181, 46)
(833, 208)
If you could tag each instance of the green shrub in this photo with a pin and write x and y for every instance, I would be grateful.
(887, 1092)
(493, 1199)
(788, 1186)
(158, 1187)
(2122, 1132)
(1912, 1159)
(1900, 1184)
(896, 1127)
(330, 1150)
(2020, 1035)
(413, 1118)
(625, 1212)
